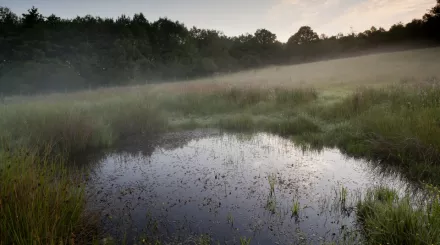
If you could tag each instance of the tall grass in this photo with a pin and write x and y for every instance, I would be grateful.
(399, 125)
(40, 202)
(234, 100)
(388, 219)
(74, 127)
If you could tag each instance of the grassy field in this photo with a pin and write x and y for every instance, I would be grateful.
(384, 107)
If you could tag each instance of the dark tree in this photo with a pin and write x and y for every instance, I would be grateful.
(32, 18)
(265, 37)
(304, 35)
(48, 53)
(7, 17)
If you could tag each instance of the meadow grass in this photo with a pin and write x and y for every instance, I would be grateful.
(233, 100)
(70, 128)
(396, 125)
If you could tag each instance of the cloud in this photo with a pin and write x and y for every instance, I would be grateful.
(289, 15)
(333, 16)
(383, 13)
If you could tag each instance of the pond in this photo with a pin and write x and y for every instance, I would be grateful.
(229, 186)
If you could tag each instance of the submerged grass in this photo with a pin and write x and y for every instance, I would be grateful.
(271, 204)
(272, 179)
(343, 197)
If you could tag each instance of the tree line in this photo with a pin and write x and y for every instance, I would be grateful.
(48, 53)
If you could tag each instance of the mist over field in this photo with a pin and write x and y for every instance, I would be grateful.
(41, 54)
(126, 131)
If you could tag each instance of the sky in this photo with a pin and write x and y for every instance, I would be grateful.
(235, 17)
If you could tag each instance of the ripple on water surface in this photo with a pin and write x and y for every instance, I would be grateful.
(220, 184)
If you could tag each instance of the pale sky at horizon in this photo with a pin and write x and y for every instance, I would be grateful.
(235, 17)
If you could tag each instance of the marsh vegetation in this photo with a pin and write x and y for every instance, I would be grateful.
(394, 123)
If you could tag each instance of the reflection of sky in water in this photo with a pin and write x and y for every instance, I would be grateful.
(192, 186)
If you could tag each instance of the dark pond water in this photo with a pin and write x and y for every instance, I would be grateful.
(206, 182)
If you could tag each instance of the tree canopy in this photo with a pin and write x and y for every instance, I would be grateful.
(304, 35)
(49, 53)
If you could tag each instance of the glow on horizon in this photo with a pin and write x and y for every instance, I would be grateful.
(282, 17)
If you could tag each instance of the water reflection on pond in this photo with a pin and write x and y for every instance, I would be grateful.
(229, 186)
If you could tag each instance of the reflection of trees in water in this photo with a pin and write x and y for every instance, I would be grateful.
(144, 145)
(87, 159)
(171, 141)
(381, 168)
(133, 145)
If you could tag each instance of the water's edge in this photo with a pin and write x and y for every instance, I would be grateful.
(229, 186)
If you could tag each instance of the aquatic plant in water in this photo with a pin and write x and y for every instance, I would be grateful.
(272, 178)
(295, 208)
(245, 241)
(230, 219)
(271, 204)
(343, 197)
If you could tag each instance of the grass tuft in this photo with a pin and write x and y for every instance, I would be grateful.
(295, 208)
(387, 219)
(245, 241)
(40, 202)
